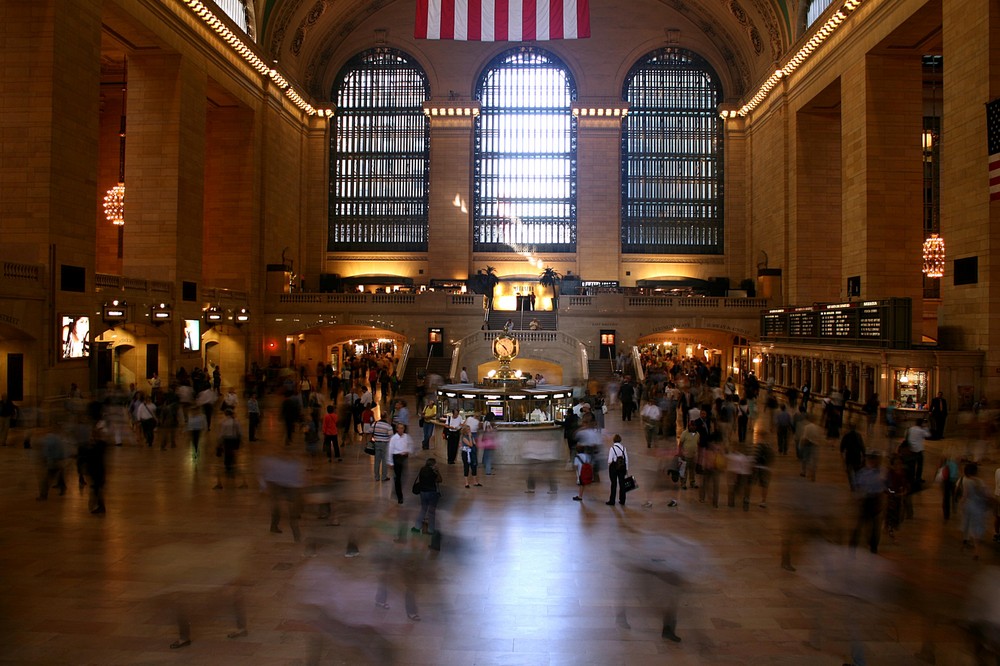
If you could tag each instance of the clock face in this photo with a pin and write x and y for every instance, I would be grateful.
(505, 347)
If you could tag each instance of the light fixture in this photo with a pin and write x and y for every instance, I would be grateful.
(242, 316)
(933, 254)
(905, 377)
(114, 198)
(114, 312)
(213, 315)
(161, 313)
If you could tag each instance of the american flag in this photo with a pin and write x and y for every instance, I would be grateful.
(502, 20)
(993, 142)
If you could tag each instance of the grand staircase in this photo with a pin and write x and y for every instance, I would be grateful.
(600, 370)
(436, 365)
(547, 320)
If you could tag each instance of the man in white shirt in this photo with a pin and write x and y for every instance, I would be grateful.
(650, 415)
(452, 432)
(915, 436)
(400, 446)
(366, 398)
(465, 376)
(472, 421)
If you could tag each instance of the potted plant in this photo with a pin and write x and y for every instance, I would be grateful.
(490, 282)
(550, 277)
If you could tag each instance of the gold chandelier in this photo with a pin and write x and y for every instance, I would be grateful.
(114, 205)
(934, 256)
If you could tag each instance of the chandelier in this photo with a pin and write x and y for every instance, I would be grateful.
(114, 205)
(114, 199)
(934, 256)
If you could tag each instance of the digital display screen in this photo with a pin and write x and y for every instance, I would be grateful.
(74, 340)
(192, 335)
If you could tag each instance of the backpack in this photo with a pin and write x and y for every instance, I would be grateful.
(619, 460)
(586, 472)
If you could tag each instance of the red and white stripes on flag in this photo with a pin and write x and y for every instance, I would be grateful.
(993, 146)
(502, 20)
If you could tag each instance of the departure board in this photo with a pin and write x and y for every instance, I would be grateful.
(882, 323)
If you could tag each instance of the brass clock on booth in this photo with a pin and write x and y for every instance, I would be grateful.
(505, 347)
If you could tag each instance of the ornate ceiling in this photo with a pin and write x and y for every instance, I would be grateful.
(310, 38)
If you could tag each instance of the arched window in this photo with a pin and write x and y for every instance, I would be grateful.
(241, 12)
(525, 155)
(816, 9)
(672, 156)
(379, 155)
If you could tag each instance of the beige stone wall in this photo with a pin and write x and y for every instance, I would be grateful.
(230, 218)
(970, 224)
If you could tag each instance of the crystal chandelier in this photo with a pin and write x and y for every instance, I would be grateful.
(934, 256)
(114, 205)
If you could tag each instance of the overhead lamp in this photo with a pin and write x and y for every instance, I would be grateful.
(114, 312)
(933, 255)
(161, 313)
(213, 315)
(242, 316)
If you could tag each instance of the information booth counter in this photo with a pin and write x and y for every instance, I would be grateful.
(527, 420)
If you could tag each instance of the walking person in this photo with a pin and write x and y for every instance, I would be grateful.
(975, 499)
(145, 414)
(400, 447)
(230, 437)
(253, 415)
(870, 492)
(92, 454)
(330, 434)
(428, 479)
(452, 433)
(617, 470)
(284, 477)
(381, 434)
(583, 462)
(428, 417)
(195, 426)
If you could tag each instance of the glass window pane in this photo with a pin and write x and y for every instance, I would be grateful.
(379, 155)
(672, 157)
(524, 195)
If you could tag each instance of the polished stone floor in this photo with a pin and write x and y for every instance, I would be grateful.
(520, 578)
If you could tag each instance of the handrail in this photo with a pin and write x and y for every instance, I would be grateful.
(637, 369)
(403, 359)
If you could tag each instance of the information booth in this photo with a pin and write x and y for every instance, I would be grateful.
(527, 419)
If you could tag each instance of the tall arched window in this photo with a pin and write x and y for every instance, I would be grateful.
(379, 155)
(672, 156)
(525, 155)
(242, 13)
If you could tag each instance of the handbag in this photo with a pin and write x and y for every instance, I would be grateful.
(370, 448)
(416, 485)
(629, 484)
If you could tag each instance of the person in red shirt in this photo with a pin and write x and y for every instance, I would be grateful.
(330, 434)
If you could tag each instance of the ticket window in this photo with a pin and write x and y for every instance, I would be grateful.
(911, 388)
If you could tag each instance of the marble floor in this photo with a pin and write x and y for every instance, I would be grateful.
(520, 578)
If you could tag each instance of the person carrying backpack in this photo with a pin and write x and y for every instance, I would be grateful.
(617, 470)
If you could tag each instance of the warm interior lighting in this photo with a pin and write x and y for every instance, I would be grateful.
(114, 205)
(934, 256)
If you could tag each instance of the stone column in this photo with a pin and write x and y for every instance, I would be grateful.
(598, 239)
(164, 168)
(450, 211)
